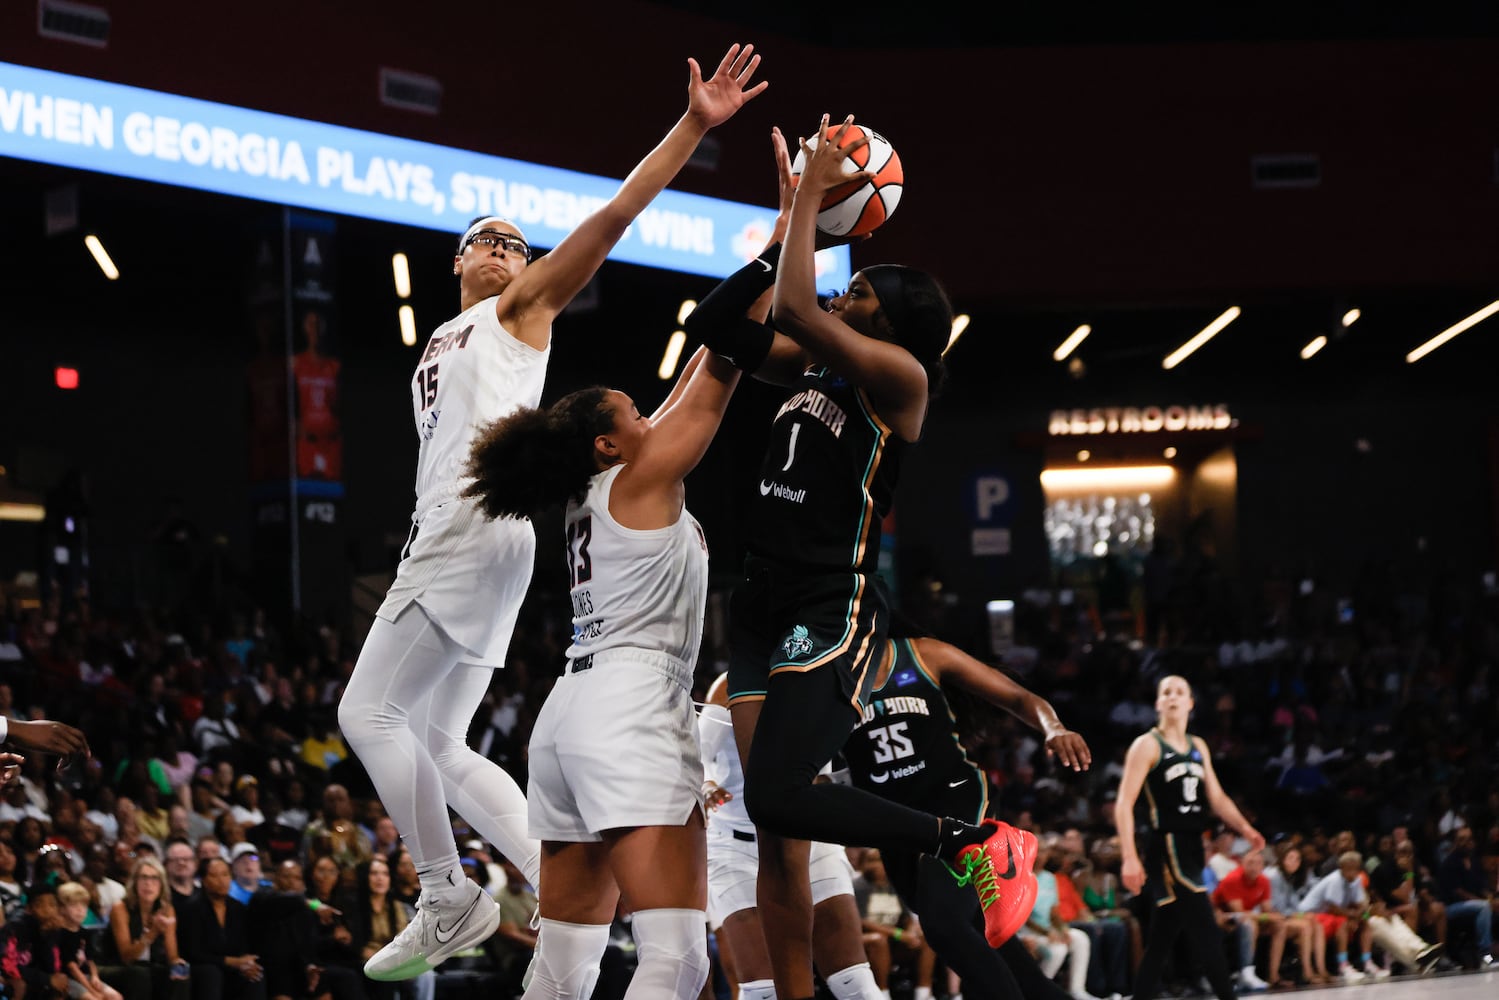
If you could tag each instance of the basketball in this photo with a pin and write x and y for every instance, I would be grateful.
(857, 208)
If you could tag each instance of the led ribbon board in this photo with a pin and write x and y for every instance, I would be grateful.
(129, 132)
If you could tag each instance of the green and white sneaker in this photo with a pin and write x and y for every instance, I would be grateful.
(439, 931)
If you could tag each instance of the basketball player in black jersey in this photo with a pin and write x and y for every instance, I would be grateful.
(907, 749)
(1175, 771)
(808, 620)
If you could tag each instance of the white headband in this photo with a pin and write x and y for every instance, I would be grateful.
(479, 227)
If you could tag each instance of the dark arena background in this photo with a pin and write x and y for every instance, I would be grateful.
(206, 461)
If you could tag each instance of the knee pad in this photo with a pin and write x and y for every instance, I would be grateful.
(672, 946)
(854, 983)
(760, 989)
(567, 960)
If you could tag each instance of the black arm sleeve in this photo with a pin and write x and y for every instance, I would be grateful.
(719, 321)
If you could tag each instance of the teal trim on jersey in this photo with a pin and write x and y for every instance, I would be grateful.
(849, 623)
(915, 658)
(879, 442)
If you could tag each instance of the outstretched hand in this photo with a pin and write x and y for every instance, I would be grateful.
(822, 167)
(45, 736)
(10, 767)
(714, 101)
(1071, 749)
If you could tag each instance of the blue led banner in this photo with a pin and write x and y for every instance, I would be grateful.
(129, 132)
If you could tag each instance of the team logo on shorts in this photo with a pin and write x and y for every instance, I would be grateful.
(798, 643)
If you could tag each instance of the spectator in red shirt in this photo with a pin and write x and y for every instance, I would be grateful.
(1242, 899)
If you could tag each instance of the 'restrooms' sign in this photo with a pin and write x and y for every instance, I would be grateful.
(1139, 420)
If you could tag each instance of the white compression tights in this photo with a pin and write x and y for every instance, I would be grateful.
(406, 713)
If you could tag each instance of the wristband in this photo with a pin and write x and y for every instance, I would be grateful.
(314, 905)
(896, 934)
(1410, 876)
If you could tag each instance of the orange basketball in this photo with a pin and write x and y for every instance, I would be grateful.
(859, 207)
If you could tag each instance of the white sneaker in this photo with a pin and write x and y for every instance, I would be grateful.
(1252, 983)
(1378, 972)
(1350, 975)
(437, 932)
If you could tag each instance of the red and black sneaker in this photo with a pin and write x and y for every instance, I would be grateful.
(1001, 870)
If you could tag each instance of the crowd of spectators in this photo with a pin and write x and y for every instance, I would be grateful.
(217, 761)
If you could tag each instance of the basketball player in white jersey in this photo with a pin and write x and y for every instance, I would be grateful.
(615, 770)
(448, 617)
(734, 867)
(614, 766)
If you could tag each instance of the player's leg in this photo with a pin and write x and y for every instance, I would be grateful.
(480, 790)
(576, 912)
(667, 905)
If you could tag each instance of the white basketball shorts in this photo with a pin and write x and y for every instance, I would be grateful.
(615, 745)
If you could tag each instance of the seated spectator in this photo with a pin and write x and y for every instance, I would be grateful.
(335, 832)
(287, 927)
(1342, 842)
(1222, 859)
(891, 932)
(276, 839)
(70, 951)
(246, 806)
(335, 945)
(1469, 900)
(1102, 894)
(1393, 886)
(376, 918)
(12, 898)
(1243, 896)
(387, 839)
(244, 862)
(25, 962)
(203, 806)
(215, 940)
(140, 953)
(1289, 885)
(181, 863)
(406, 886)
(1338, 903)
(1108, 963)
(1048, 936)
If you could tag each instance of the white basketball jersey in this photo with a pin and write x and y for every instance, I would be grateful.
(644, 589)
(472, 371)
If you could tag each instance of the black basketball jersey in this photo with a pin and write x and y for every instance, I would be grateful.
(827, 480)
(905, 748)
(1174, 800)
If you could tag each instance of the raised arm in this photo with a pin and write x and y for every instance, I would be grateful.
(681, 435)
(540, 292)
(891, 374)
(950, 664)
(1137, 764)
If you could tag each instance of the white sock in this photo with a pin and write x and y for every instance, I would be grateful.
(758, 989)
(923, 993)
(445, 881)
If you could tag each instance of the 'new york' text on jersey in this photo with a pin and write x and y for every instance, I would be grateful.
(828, 478)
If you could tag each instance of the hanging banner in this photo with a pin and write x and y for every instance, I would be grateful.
(130, 132)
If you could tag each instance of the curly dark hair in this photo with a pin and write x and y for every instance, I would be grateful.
(531, 460)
